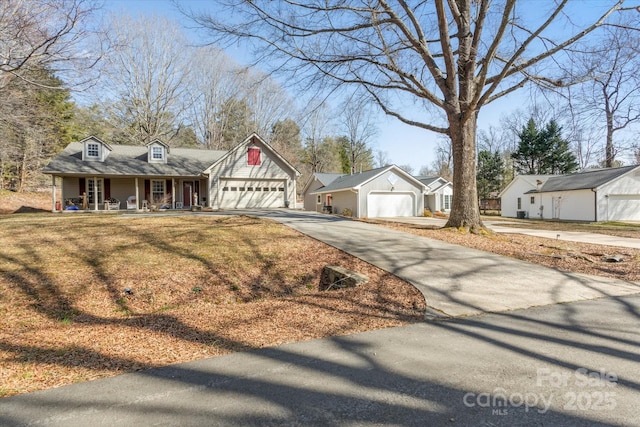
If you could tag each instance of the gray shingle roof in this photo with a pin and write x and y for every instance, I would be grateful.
(583, 180)
(129, 160)
(327, 178)
(345, 182)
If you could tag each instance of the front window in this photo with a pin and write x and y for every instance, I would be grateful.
(533, 200)
(157, 153)
(157, 191)
(447, 201)
(93, 150)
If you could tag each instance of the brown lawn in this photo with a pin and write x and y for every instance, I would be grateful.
(200, 286)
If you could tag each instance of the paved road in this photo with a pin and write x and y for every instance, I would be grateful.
(563, 365)
(505, 227)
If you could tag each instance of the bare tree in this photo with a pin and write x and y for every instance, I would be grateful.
(146, 73)
(382, 159)
(456, 55)
(357, 123)
(213, 80)
(610, 97)
(38, 34)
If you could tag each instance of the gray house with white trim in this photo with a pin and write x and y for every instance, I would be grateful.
(384, 192)
(92, 174)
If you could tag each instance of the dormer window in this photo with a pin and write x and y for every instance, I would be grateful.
(157, 153)
(93, 150)
(253, 157)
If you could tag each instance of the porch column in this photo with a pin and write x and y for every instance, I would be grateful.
(173, 193)
(95, 193)
(53, 193)
(137, 196)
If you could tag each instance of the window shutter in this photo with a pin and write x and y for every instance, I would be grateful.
(147, 189)
(169, 187)
(82, 187)
(254, 157)
(107, 188)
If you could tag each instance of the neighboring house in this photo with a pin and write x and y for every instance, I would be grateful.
(250, 175)
(439, 195)
(382, 192)
(513, 200)
(611, 194)
(318, 202)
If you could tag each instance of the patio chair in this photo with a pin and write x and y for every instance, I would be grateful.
(132, 203)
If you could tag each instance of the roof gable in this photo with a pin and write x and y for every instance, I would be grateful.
(531, 180)
(254, 138)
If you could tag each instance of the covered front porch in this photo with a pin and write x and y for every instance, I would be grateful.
(87, 193)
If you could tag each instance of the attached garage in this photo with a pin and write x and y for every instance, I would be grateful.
(623, 207)
(384, 205)
(251, 193)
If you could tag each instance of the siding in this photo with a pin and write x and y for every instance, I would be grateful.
(382, 183)
(345, 200)
(578, 205)
(235, 166)
(309, 201)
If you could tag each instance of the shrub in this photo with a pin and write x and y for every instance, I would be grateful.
(347, 212)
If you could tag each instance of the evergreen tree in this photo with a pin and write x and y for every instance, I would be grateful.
(490, 173)
(543, 151)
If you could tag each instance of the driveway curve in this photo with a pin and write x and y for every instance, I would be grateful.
(455, 280)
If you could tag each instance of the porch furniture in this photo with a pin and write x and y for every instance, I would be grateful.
(112, 204)
(132, 203)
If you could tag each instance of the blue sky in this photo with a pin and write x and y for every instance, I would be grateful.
(403, 144)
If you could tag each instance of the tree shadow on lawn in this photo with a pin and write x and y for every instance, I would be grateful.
(354, 384)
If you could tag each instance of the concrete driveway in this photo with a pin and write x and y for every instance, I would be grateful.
(455, 280)
(504, 227)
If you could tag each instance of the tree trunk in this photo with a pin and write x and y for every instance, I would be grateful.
(465, 212)
(610, 155)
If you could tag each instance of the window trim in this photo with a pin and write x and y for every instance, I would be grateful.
(157, 149)
(90, 147)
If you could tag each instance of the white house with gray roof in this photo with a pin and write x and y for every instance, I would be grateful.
(439, 194)
(250, 175)
(611, 194)
(384, 192)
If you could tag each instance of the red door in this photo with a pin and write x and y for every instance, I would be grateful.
(187, 193)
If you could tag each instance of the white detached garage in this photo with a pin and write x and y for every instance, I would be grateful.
(377, 193)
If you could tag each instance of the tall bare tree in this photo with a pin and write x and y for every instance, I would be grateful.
(456, 55)
(357, 123)
(213, 81)
(145, 74)
(39, 34)
(610, 97)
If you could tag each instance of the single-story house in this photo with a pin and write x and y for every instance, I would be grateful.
(384, 192)
(317, 202)
(439, 195)
(611, 194)
(101, 176)
(512, 198)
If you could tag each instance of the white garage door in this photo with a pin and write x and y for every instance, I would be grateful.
(241, 194)
(390, 204)
(624, 207)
